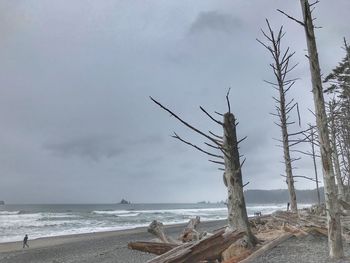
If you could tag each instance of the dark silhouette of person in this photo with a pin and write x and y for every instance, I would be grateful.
(25, 241)
(288, 204)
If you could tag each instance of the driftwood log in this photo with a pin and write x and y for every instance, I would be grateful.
(214, 248)
(266, 248)
(152, 247)
(190, 233)
(157, 228)
(207, 249)
(239, 258)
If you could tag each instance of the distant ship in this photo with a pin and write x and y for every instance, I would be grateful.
(2, 203)
(124, 202)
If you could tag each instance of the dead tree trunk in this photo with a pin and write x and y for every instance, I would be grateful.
(281, 67)
(334, 225)
(313, 154)
(335, 155)
(238, 218)
(229, 158)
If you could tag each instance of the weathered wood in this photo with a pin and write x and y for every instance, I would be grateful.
(267, 247)
(321, 230)
(190, 233)
(344, 204)
(228, 145)
(152, 247)
(281, 66)
(334, 226)
(236, 249)
(237, 212)
(336, 163)
(294, 230)
(239, 258)
(207, 249)
(157, 228)
(313, 154)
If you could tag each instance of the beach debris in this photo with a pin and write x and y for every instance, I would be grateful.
(190, 233)
(157, 248)
(209, 248)
(229, 246)
(157, 228)
(164, 242)
(266, 247)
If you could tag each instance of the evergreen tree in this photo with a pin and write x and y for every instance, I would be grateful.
(339, 79)
(339, 84)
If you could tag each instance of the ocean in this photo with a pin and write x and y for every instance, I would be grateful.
(66, 219)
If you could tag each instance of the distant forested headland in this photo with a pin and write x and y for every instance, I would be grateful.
(281, 196)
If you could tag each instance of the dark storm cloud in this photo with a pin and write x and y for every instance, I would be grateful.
(215, 21)
(91, 147)
(97, 147)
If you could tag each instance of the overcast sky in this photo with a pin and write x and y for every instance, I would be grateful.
(77, 125)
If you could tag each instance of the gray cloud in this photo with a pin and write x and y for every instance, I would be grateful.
(90, 147)
(96, 147)
(215, 21)
(75, 80)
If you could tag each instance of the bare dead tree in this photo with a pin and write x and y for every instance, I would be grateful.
(229, 158)
(312, 139)
(314, 143)
(338, 84)
(281, 66)
(313, 155)
(333, 216)
(332, 105)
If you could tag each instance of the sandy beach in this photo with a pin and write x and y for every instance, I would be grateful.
(104, 247)
(108, 247)
(307, 249)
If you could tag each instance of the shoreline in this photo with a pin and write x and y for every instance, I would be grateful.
(124, 236)
(49, 241)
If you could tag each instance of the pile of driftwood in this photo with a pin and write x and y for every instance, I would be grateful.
(229, 246)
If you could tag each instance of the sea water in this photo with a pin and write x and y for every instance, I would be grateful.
(56, 219)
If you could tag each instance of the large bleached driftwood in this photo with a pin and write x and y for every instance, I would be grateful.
(190, 233)
(207, 249)
(152, 247)
(157, 228)
(267, 247)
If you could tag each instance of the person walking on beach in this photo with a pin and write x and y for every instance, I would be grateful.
(25, 241)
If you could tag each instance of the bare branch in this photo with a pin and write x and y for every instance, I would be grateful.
(290, 17)
(196, 147)
(217, 136)
(217, 162)
(241, 140)
(228, 100)
(185, 123)
(305, 177)
(245, 184)
(211, 117)
(213, 146)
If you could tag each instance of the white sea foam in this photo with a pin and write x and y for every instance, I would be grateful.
(14, 224)
(130, 214)
(111, 212)
(9, 212)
